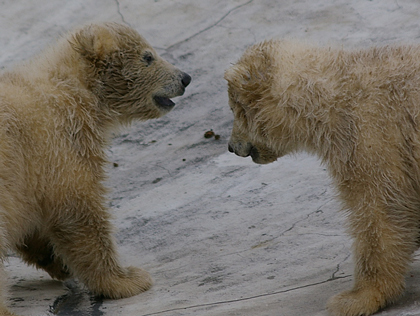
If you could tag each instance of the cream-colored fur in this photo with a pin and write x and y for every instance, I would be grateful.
(57, 113)
(359, 112)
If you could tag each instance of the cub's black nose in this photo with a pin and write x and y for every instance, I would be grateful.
(186, 79)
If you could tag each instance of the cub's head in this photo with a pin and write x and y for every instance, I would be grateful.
(256, 115)
(126, 73)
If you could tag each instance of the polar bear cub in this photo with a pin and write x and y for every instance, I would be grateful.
(359, 111)
(57, 113)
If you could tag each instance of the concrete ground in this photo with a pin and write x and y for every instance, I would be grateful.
(219, 234)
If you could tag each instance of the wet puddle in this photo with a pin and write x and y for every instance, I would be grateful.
(76, 302)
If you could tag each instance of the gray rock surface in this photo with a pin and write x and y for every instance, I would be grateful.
(219, 234)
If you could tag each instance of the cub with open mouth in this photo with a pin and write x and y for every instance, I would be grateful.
(57, 113)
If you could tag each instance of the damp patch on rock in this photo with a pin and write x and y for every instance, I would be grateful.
(77, 302)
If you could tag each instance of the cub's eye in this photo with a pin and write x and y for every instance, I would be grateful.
(148, 58)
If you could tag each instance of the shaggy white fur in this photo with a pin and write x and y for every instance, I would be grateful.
(57, 113)
(359, 112)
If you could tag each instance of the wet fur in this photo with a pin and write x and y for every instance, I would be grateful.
(57, 113)
(358, 111)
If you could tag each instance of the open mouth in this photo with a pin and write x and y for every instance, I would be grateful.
(164, 102)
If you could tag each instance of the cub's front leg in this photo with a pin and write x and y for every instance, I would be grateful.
(384, 243)
(83, 238)
(37, 250)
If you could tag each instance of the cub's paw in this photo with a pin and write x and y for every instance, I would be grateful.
(362, 302)
(129, 282)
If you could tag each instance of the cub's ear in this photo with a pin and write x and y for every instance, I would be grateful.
(94, 42)
(237, 75)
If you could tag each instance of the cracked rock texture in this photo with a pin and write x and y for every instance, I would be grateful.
(219, 234)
